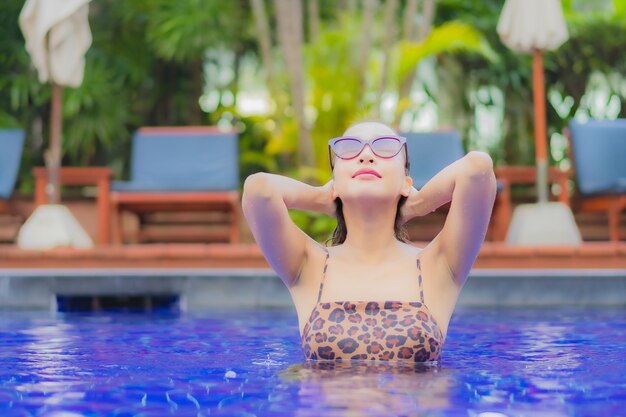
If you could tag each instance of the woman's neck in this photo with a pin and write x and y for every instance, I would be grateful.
(370, 229)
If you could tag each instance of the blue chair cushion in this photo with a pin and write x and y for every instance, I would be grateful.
(599, 148)
(11, 147)
(172, 159)
(430, 152)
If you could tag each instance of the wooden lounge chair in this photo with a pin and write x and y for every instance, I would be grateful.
(11, 146)
(180, 169)
(598, 155)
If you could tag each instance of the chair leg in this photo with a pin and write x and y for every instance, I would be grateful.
(234, 224)
(140, 235)
(104, 212)
(614, 214)
(116, 220)
(502, 215)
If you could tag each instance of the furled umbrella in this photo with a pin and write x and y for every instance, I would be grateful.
(535, 26)
(57, 37)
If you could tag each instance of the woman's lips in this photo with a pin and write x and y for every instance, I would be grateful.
(366, 171)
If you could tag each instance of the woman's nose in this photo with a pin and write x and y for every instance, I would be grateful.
(366, 155)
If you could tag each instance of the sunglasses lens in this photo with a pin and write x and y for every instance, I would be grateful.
(386, 147)
(347, 148)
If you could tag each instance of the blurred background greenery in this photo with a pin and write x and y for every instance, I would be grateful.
(290, 74)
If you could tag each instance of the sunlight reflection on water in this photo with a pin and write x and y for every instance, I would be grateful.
(495, 363)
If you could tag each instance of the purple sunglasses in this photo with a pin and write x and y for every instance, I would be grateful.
(348, 147)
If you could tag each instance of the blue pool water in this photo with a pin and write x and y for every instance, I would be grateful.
(539, 362)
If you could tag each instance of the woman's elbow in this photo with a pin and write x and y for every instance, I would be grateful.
(480, 170)
(256, 186)
(480, 164)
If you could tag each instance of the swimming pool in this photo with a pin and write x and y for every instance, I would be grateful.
(512, 362)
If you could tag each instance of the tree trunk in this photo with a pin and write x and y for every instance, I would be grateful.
(369, 9)
(290, 35)
(428, 17)
(234, 84)
(265, 45)
(314, 20)
(451, 89)
(410, 13)
(390, 36)
(163, 110)
(410, 34)
(53, 154)
(349, 6)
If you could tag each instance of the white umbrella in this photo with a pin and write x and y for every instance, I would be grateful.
(57, 37)
(528, 25)
(534, 26)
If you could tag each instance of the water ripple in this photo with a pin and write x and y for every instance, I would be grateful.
(249, 363)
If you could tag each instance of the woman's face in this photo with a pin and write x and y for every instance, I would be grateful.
(388, 179)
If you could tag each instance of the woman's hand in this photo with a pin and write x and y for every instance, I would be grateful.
(414, 206)
(327, 202)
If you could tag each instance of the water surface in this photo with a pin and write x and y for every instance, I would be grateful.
(514, 362)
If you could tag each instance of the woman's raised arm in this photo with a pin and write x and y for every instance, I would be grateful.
(470, 184)
(266, 200)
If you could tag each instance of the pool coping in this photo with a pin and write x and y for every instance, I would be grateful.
(206, 288)
(493, 255)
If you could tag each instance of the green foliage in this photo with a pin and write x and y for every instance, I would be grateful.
(620, 9)
(183, 30)
(594, 46)
(97, 113)
(449, 37)
(317, 225)
(284, 140)
(254, 134)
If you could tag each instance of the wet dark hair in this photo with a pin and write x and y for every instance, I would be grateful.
(399, 230)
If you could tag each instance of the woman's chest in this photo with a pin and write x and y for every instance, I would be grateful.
(397, 281)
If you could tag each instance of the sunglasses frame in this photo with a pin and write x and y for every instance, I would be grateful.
(401, 139)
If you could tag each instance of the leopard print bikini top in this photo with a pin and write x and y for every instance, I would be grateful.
(372, 330)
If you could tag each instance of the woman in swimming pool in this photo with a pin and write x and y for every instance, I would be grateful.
(372, 295)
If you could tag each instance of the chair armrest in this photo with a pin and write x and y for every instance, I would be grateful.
(528, 175)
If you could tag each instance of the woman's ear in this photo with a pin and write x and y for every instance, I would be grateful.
(408, 184)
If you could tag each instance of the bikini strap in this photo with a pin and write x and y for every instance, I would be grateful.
(319, 294)
(419, 279)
